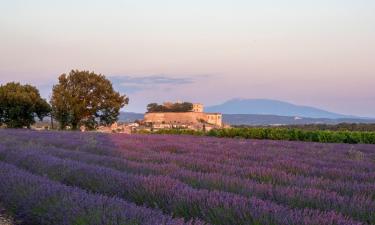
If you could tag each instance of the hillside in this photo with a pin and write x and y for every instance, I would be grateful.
(62, 178)
(130, 116)
(272, 107)
(253, 119)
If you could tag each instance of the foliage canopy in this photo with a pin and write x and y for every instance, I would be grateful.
(20, 105)
(85, 98)
(277, 133)
(175, 107)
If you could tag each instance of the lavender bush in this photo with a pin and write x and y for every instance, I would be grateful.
(38, 200)
(220, 181)
(166, 193)
(360, 207)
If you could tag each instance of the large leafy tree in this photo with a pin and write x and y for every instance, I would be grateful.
(176, 107)
(85, 98)
(20, 105)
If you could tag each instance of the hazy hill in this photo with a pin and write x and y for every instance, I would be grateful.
(271, 107)
(130, 116)
(268, 112)
(251, 119)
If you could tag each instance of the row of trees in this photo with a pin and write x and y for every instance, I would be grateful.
(294, 134)
(336, 127)
(79, 98)
(175, 107)
(277, 133)
(20, 104)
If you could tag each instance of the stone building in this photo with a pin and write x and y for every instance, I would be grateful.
(195, 119)
(197, 107)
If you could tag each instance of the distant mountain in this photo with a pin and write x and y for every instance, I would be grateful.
(251, 119)
(254, 120)
(272, 107)
(130, 117)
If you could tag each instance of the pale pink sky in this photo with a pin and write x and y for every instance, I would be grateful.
(318, 53)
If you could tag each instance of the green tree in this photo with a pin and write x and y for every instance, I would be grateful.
(182, 107)
(20, 105)
(85, 98)
(176, 107)
(153, 107)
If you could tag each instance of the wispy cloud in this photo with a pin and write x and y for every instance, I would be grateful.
(145, 80)
(132, 84)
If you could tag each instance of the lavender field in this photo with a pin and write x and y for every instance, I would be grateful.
(89, 178)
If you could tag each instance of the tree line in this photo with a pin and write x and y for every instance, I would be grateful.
(335, 127)
(277, 133)
(175, 107)
(80, 98)
(329, 127)
(295, 134)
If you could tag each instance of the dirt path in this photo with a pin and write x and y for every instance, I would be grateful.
(4, 218)
(5, 221)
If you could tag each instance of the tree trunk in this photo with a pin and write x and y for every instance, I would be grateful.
(51, 122)
(74, 126)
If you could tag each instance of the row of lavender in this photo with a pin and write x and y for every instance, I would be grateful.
(357, 206)
(347, 175)
(242, 152)
(238, 149)
(361, 172)
(252, 182)
(37, 200)
(356, 177)
(171, 196)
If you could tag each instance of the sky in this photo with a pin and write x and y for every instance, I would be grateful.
(319, 53)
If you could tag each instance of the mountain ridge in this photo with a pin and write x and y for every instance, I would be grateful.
(273, 107)
(255, 120)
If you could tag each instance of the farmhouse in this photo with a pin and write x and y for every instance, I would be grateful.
(195, 119)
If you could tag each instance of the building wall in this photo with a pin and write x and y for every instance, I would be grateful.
(214, 118)
(183, 118)
(197, 107)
